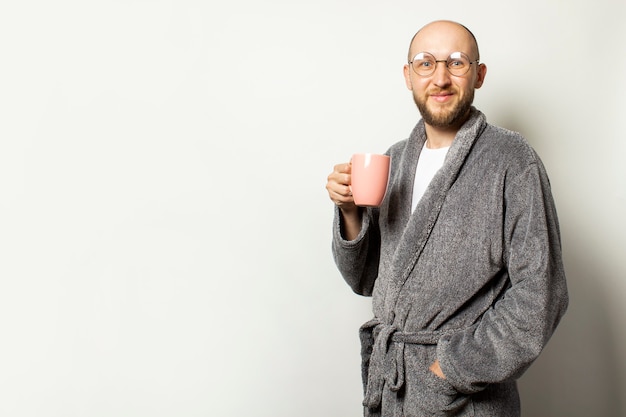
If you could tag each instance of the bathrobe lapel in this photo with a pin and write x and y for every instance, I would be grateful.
(420, 223)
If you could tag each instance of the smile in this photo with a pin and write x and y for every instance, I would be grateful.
(441, 98)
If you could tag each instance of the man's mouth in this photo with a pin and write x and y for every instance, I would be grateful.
(441, 97)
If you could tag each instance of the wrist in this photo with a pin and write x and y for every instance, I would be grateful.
(350, 224)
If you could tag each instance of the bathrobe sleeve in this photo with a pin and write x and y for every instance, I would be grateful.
(510, 335)
(357, 260)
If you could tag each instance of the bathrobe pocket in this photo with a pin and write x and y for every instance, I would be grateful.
(425, 393)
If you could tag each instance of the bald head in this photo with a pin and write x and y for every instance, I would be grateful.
(437, 34)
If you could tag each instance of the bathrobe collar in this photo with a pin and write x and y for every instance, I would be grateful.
(421, 222)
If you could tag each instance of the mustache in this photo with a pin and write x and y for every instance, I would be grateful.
(439, 91)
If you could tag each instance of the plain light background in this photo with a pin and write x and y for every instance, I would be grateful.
(164, 227)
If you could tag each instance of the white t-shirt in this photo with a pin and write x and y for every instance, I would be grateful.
(429, 162)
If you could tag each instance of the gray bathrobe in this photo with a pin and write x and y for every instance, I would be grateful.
(473, 277)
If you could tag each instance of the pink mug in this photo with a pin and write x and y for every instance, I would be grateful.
(370, 175)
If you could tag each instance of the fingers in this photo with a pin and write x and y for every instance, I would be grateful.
(344, 168)
(340, 177)
(340, 197)
(338, 185)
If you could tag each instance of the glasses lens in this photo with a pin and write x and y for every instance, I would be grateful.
(424, 63)
(458, 63)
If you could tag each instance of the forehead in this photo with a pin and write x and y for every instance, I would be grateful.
(443, 38)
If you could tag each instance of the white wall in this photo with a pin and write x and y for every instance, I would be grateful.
(164, 227)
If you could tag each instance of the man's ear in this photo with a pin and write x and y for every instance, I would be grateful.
(481, 73)
(407, 77)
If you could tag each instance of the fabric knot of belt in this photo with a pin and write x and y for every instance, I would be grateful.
(386, 362)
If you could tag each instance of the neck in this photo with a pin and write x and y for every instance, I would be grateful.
(438, 137)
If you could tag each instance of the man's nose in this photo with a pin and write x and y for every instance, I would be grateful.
(441, 76)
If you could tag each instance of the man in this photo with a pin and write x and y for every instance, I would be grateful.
(463, 257)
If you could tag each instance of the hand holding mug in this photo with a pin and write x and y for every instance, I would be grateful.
(338, 186)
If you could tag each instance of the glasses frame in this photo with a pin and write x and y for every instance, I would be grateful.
(446, 61)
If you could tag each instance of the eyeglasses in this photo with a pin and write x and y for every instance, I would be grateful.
(458, 64)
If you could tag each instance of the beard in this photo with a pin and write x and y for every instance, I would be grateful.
(447, 117)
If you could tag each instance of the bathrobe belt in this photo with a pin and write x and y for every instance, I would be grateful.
(386, 364)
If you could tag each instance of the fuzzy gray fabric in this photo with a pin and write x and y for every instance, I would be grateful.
(473, 277)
